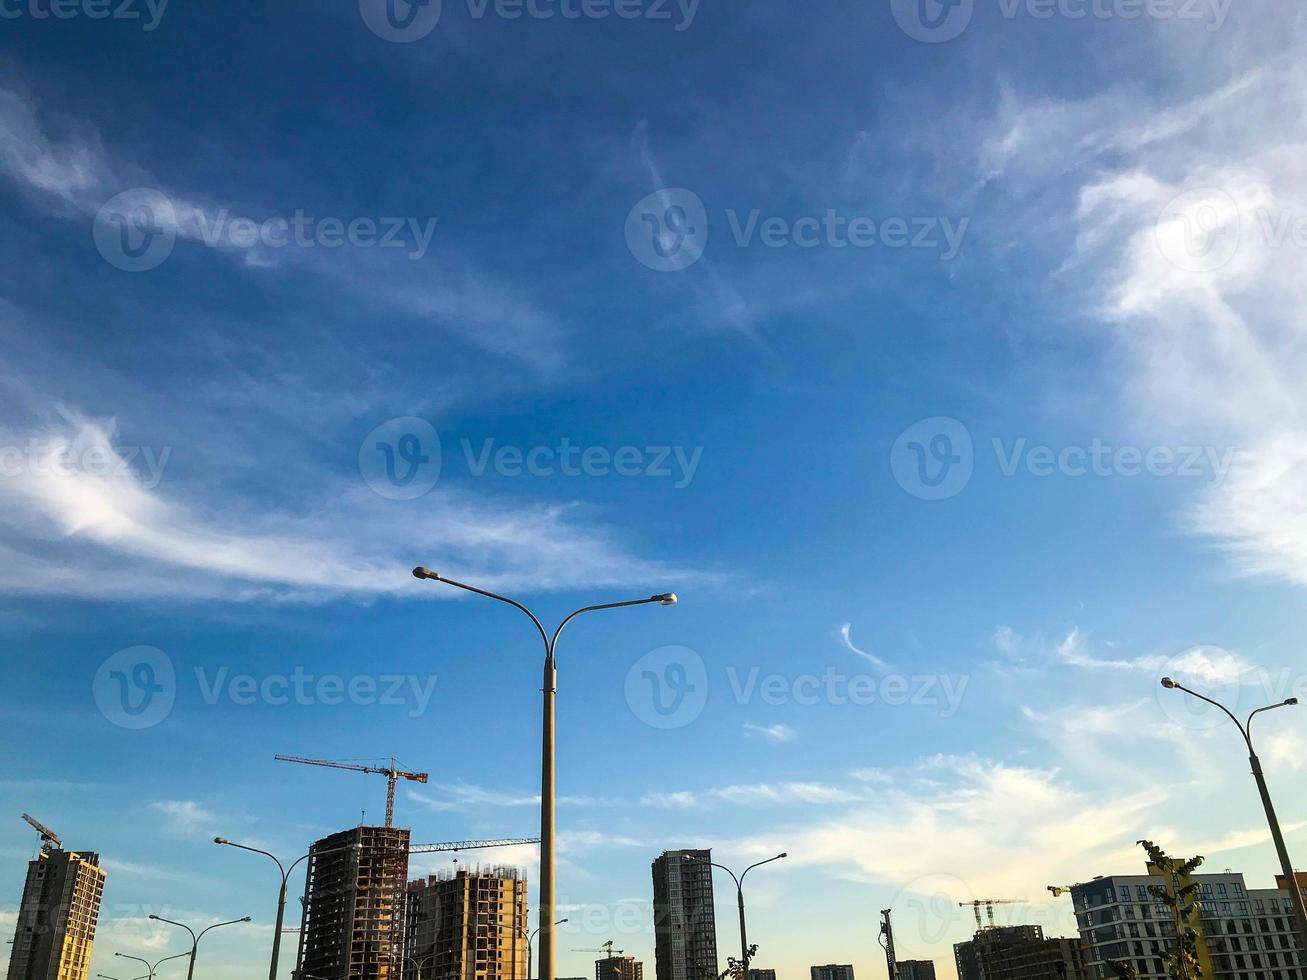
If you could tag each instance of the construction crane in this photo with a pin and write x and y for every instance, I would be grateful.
(606, 949)
(390, 772)
(887, 941)
(1060, 890)
(989, 904)
(48, 836)
(471, 845)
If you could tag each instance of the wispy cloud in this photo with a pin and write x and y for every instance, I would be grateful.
(1178, 233)
(103, 531)
(773, 733)
(845, 633)
(75, 174)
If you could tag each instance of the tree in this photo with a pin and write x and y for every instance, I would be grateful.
(1182, 961)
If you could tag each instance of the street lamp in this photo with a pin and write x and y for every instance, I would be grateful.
(529, 939)
(548, 689)
(281, 895)
(417, 963)
(155, 966)
(195, 940)
(1246, 730)
(739, 893)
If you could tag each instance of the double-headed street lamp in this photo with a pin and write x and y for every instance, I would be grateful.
(739, 893)
(281, 895)
(195, 939)
(417, 963)
(152, 967)
(548, 692)
(1246, 730)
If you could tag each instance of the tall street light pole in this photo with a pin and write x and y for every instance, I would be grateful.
(195, 940)
(739, 894)
(281, 895)
(529, 940)
(1246, 730)
(548, 691)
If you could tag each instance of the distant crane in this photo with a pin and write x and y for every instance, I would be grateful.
(48, 836)
(989, 904)
(471, 845)
(606, 949)
(887, 940)
(390, 772)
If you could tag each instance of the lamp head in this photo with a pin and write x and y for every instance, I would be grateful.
(1290, 700)
(667, 598)
(152, 916)
(783, 854)
(421, 572)
(1168, 683)
(246, 919)
(221, 840)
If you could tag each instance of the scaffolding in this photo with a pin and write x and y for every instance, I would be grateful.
(353, 918)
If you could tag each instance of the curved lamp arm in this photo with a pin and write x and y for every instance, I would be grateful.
(255, 850)
(233, 922)
(1287, 702)
(666, 599)
(783, 854)
(437, 577)
(1171, 684)
(194, 938)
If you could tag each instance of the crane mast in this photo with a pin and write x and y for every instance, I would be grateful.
(887, 941)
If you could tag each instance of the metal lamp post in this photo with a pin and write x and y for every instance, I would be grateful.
(549, 688)
(1246, 730)
(281, 895)
(195, 939)
(739, 893)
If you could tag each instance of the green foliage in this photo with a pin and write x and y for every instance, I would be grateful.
(1182, 961)
(737, 970)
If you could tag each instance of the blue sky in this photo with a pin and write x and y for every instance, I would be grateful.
(950, 375)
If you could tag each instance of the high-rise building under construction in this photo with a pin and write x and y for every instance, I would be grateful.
(354, 905)
(57, 917)
(685, 928)
(467, 925)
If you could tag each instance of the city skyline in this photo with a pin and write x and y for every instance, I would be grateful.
(943, 359)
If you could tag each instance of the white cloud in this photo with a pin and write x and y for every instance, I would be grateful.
(995, 828)
(773, 733)
(186, 817)
(100, 530)
(670, 801)
(871, 658)
(1184, 232)
(1207, 665)
(76, 175)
